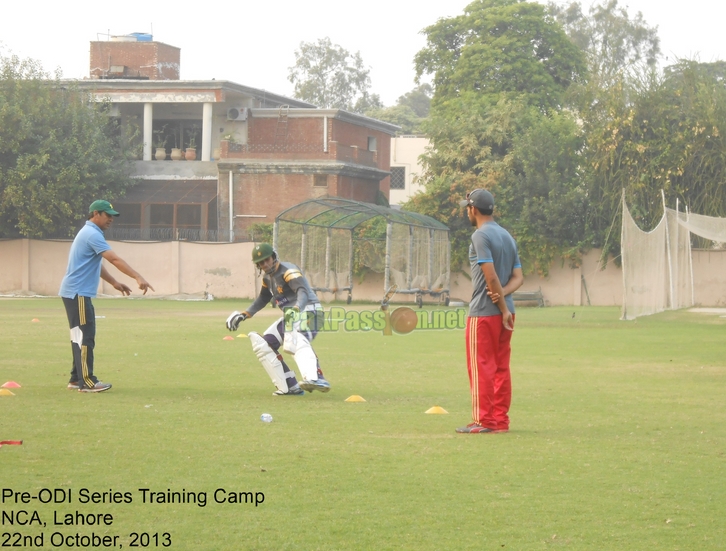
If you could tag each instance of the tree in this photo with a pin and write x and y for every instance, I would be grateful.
(501, 73)
(409, 112)
(668, 134)
(329, 76)
(58, 152)
(497, 47)
(418, 99)
(400, 115)
(616, 44)
(531, 163)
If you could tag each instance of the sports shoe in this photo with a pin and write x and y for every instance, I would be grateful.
(319, 384)
(476, 428)
(73, 385)
(98, 387)
(295, 391)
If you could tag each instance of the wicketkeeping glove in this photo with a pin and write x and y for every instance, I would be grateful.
(235, 318)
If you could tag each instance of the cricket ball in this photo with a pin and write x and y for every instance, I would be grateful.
(403, 320)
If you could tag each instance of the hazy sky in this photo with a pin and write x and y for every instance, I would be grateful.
(253, 43)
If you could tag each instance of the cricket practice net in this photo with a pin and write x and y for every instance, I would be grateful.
(332, 238)
(657, 265)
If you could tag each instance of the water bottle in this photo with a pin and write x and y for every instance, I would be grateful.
(266, 418)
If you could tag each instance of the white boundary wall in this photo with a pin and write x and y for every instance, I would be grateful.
(224, 270)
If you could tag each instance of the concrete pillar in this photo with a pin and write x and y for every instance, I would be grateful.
(25, 266)
(207, 132)
(577, 286)
(148, 130)
(174, 268)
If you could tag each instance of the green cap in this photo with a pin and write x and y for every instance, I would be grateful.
(261, 252)
(102, 206)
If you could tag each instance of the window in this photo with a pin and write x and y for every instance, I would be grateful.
(320, 180)
(372, 143)
(398, 177)
(189, 216)
(130, 215)
(162, 216)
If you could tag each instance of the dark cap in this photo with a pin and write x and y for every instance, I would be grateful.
(481, 199)
(102, 206)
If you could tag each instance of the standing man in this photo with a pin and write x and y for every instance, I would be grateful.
(495, 273)
(285, 284)
(79, 286)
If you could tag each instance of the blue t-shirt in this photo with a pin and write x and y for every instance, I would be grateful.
(84, 263)
(491, 243)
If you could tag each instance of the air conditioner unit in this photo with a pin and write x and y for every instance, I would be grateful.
(237, 114)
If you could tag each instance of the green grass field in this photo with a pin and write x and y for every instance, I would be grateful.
(617, 437)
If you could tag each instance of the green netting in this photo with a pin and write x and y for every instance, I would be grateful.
(334, 212)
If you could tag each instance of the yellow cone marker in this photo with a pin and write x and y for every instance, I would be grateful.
(10, 384)
(5, 392)
(436, 409)
(355, 398)
(228, 338)
(241, 336)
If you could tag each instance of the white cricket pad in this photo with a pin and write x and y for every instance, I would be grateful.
(289, 341)
(268, 359)
(305, 358)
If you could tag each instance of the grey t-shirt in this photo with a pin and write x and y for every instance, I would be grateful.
(491, 243)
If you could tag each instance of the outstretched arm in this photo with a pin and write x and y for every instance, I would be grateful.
(123, 267)
(106, 276)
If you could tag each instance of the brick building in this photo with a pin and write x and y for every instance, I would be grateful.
(255, 153)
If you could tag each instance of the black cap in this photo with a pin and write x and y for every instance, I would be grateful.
(481, 199)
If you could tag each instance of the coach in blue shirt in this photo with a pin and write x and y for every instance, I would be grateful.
(79, 286)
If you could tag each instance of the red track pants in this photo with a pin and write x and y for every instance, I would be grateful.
(488, 350)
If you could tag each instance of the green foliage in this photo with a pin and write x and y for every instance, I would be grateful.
(531, 163)
(329, 76)
(501, 73)
(499, 47)
(418, 99)
(409, 112)
(665, 135)
(261, 232)
(369, 246)
(616, 44)
(400, 115)
(59, 152)
(557, 151)
(541, 198)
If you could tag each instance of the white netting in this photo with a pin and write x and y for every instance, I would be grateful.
(680, 292)
(323, 254)
(644, 268)
(657, 265)
(419, 258)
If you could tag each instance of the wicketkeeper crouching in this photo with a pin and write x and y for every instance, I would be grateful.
(303, 316)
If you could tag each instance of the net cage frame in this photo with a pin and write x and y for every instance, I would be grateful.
(417, 248)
